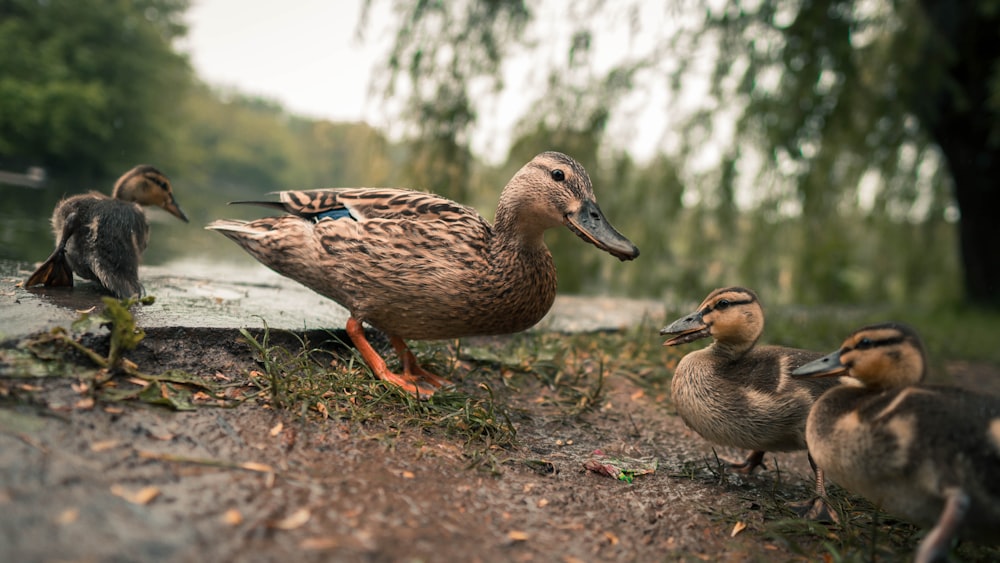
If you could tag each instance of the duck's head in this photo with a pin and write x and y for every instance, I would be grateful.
(731, 315)
(553, 190)
(880, 356)
(146, 185)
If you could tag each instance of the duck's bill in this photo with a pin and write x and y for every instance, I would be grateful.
(589, 224)
(685, 330)
(827, 366)
(175, 210)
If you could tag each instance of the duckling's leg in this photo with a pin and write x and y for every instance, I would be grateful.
(934, 546)
(407, 381)
(410, 366)
(55, 271)
(753, 461)
(818, 508)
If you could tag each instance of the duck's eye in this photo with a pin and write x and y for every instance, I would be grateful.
(864, 344)
(558, 175)
(722, 304)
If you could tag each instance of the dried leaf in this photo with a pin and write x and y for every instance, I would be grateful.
(406, 474)
(517, 535)
(319, 544)
(258, 467)
(68, 516)
(103, 445)
(294, 520)
(144, 495)
(84, 404)
(277, 429)
(612, 539)
(737, 528)
(232, 517)
(542, 503)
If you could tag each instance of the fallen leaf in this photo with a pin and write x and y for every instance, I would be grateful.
(258, 467)
(406, 474)
(318, 544)
(68, 516)
(517, 535)
(144, 495)
(321, 407)
(542, 503)
(637, 395)
(113, 410)
(81, 387)
(294, 520)
(277, 429)
(84, 404)
(201, 396)
(232, 517)
(612, 539)
(103, 445)
(739, 527)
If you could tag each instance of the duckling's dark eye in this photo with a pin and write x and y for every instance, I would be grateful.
(558, 175)
(864, 344)
(722, 304)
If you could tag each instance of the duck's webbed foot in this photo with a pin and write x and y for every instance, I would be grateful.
(752, 462)
(937, 542)
(54, 272)
(414, 379)
(816, 509)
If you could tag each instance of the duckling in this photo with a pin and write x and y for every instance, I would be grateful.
(101, 238)
(419, 266)
(738, 394)
(927, 453)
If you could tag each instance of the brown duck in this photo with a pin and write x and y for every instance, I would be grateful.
(419, 266)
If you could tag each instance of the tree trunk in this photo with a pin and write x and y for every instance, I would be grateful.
(956, 113)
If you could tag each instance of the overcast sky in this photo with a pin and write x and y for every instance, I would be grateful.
(302, 53)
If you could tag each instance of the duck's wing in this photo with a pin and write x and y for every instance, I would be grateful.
(368, 203)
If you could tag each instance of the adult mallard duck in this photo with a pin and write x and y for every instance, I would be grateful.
(419, 266)
(738, 394)
(927, 453)
(102, 238)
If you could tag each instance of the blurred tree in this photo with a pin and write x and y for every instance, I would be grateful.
(842, 108)
(89, 87)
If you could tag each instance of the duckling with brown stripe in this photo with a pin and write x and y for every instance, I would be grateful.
(926, 453)
(736, 393)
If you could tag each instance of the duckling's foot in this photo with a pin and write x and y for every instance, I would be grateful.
(752, 462)
(935, 544)
(413, 380)
(54, 272)
(817, 509)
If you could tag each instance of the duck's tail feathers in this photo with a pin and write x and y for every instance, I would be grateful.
(231, 226)
(54, 272)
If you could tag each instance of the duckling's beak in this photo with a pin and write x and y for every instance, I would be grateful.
(589, 224)
(827, 366)
(174, 209)
(687, 329)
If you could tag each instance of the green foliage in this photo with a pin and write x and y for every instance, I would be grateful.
(88, 87)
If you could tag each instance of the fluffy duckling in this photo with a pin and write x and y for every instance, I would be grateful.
(738, 394)
(101, 238)
(419, 266)
(927, 453)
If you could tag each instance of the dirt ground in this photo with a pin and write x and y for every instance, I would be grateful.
(126, 481)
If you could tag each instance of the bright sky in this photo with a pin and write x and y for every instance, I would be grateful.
(302, 53)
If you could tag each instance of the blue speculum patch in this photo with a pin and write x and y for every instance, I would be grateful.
(339, 213)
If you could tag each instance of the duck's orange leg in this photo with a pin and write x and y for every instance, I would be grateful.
(410, 366)
(408, 381)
